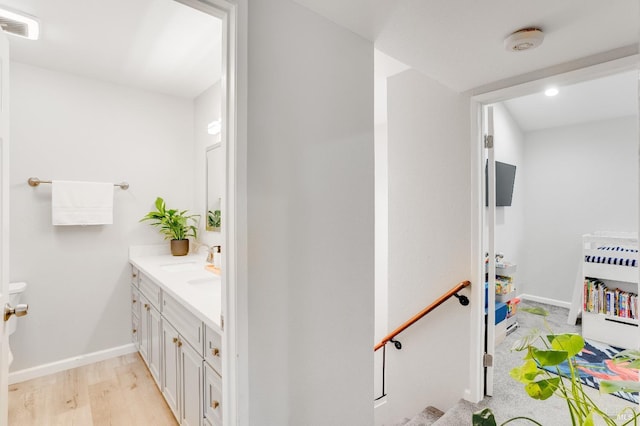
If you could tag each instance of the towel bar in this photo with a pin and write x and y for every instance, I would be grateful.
(34, 181)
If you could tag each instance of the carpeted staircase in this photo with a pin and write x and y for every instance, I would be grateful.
(458, 415)
(427, 417)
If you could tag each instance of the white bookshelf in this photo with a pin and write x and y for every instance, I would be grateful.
(609, 327)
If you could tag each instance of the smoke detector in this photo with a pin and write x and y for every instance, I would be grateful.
(524, 39)
(19, 24)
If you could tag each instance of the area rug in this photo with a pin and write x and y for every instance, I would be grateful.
(594, 363)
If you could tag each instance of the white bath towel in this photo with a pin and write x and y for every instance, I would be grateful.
(81, 203)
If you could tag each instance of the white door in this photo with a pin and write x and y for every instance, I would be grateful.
(4, 224)
(490, 247)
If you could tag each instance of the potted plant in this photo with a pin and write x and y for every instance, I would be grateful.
(176, 225)
(539, 384)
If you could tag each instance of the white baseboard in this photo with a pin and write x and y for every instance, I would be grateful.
(553, 302)
(66, 364)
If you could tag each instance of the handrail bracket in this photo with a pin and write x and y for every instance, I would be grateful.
(396, 343)
(464, 300)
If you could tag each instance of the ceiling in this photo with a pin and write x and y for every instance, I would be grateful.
(157, 45)
(601, 99)
(167, 47)
(459, 43)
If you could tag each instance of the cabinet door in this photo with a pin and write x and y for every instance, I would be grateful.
(144, 328)
(170, 367)
(155, 344)
(212, 397)
(191, 381)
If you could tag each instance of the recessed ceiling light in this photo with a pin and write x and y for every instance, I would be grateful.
(19, 24)
(524, 39)
(552, 91)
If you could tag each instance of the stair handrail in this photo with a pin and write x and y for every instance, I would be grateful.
(417, 317)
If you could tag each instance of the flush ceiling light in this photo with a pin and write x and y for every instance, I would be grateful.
(524, 39)
(552, 91)
(19, 24)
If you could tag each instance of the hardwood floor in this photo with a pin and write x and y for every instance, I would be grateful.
(119, 391)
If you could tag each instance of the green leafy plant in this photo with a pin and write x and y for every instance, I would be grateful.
(540, 384)
(173, 224)
(214, 219)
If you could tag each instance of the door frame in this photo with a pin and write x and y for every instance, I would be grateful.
(4, 224)
(235, 366)
(562, 75)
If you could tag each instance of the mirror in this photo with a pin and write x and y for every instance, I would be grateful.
(215, 186)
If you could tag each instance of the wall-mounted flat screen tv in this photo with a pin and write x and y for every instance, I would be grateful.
(505, 177)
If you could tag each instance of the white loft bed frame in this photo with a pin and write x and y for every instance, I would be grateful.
(590, 244)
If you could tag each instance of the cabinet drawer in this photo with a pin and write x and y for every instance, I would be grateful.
(135, 301)
(213, 349)
(212, 397)
(135, 330)
(620, 332)
(187, 324)
(135, 275)
(151, 291)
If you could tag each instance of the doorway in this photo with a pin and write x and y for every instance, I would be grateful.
(85, 141)
(558, 151)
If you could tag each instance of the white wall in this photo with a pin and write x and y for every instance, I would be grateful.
(579, 179)
(429, 234)
(310, 219)
(509, 148)
(206, 109)
(71, 128)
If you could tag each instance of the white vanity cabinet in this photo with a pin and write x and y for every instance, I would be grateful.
(181, 346)
(182, 367)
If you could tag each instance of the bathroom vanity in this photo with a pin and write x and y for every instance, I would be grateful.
(177, 328)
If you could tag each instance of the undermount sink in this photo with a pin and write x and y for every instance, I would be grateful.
(207, 280)
(181, 266)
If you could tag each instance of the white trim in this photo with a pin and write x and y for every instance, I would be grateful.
(613, 62)
(609, 63)
(5, 152)
(546, 300)
(69, 363)
(475, 392)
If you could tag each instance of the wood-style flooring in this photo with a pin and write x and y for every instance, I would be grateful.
(119, 391)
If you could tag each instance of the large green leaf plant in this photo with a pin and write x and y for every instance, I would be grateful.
(553, 350)
(172, 224)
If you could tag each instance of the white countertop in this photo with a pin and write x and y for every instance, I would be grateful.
(183, 278)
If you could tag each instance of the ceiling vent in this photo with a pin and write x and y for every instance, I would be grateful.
(19, 24)
(524, 39)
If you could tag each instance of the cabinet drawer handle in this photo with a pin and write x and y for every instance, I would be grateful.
(134, 331)
(146, 306)
(175, 340)
(215, 352)
(215, 404)
(134, 275)
(179, 343)
(134, 301)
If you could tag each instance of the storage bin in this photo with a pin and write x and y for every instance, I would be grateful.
(501, 312)
(512, 307)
